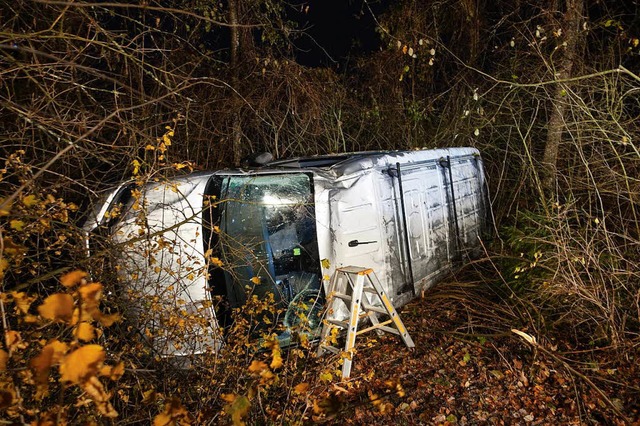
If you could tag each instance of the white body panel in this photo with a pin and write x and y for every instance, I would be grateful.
(364, 203)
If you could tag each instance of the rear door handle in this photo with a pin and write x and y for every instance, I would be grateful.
(355, 243)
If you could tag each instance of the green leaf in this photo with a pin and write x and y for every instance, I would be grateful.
(238, 409)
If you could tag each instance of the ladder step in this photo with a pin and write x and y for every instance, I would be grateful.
(380, 326)
(331, 349)
(355, 270)
(383, 328)
(370, 290)
(342, 296)
(375, 309)
(342, 324)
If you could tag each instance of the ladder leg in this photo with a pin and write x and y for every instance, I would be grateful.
(326, 328)
(402, 330)
(356, 297)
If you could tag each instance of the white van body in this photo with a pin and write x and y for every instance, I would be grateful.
(411, 216)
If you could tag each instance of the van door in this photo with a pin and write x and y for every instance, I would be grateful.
(427, 220)
(470, 203)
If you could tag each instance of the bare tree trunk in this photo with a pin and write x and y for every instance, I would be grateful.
(236, 128)
(572, 26)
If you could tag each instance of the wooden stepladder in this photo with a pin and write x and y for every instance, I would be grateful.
(351, 284)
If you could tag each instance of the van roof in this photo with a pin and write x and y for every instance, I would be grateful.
(323, 161)
(347, 163)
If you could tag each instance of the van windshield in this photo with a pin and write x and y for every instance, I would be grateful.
(267, 237)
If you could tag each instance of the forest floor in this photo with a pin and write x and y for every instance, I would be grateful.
(468, 367)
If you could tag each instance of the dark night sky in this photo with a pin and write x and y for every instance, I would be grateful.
(337, 30)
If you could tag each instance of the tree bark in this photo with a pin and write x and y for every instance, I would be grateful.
(236, 127)
(556, 126)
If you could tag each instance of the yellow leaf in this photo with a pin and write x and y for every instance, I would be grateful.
(326, 263)
(136, 167)
(276, 354)
(4, 357)
(255, 280)
(162, 419)
(108, 320)
(150, 147)
(56, 307)
(81, 364)
(22, 301)
(30, 200)
(276, 362)
(4, 265)
(13, 340)
(91, 294)
(49, 356)
(301, 388)
(113, 372)
(229, 397)
(257, 366)
(326, 376)
(18, 225)
(85, 332)
(73, 278)
(5, 207)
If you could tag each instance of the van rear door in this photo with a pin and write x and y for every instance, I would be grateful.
(427, 219)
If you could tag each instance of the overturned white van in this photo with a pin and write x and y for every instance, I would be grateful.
(282, 229)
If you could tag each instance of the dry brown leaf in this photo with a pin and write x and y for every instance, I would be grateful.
(7, 398)
(149, 396)
(57, 307)
(82, 364)
(4, 357)
(301, 388)
(73, 278)
(108, 320)
(174, 414)
(95, 389)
